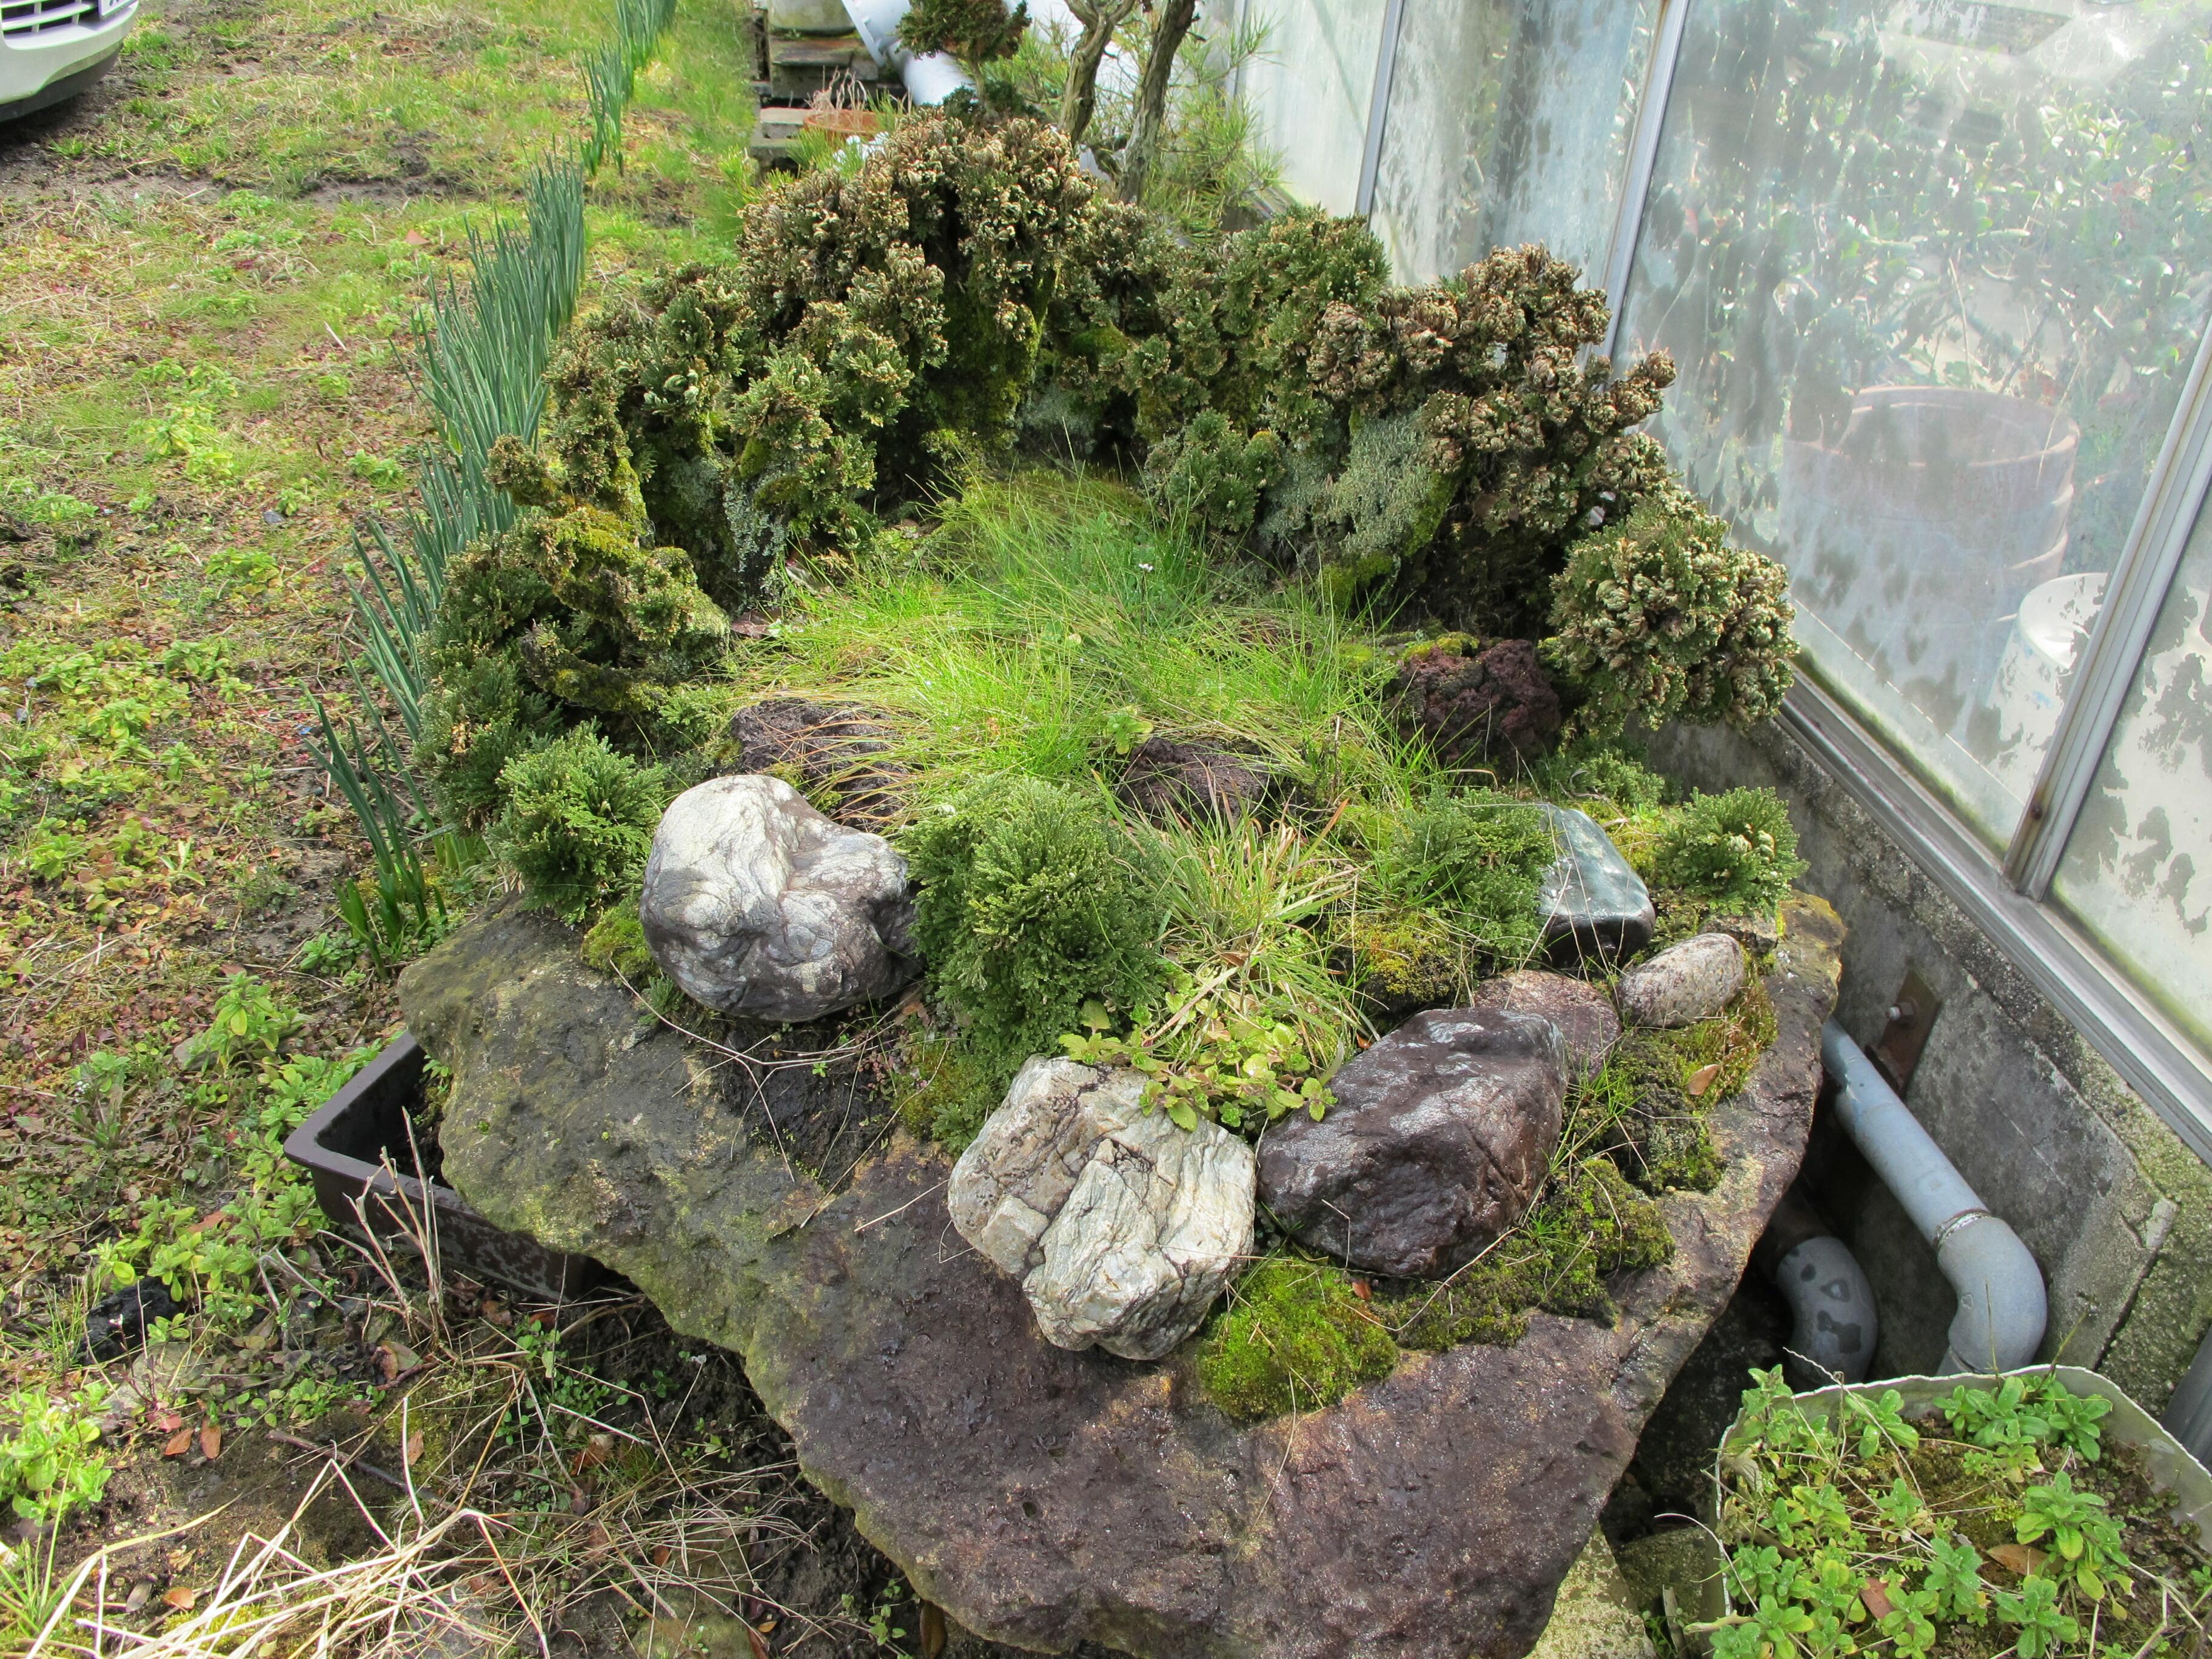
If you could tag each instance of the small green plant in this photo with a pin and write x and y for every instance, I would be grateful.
(1660, 618)
(579, 822)
(1738, 849)
(188, 432)
(1844, 1504)
(1031, 910)
(2083, 1536)
(1239, 1071)
(249, 1025)
(251, 569)
(48, 1464)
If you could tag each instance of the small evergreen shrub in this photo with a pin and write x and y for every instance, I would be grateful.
(1661, 619)
(976, 32)
(1738, 849)
(1295, 1337)
(1030, 906)
(578, 824)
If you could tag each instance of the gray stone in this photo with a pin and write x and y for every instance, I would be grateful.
(1595, 1616)
(1583, 1013)
(833, 750)
(1168, 778)
(1440, 1136)
(1683, 983)
(755, 903)
(1043, 1497)
(1121, 1228)
(1596, 908)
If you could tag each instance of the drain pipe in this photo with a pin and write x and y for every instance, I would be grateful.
(930, 77)
(2001, 1307)
(1833, 1326)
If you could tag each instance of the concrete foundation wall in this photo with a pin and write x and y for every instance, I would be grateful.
(2115, 1208)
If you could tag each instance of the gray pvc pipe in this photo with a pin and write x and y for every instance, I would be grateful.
(2001, 1304)
(1834, 1329)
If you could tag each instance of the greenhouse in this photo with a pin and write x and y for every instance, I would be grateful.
(1208, 828)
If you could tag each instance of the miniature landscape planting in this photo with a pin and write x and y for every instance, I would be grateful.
(1022, 807)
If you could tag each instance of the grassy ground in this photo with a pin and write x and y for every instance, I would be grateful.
(208, 269)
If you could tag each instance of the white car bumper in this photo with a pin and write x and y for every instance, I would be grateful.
(44, 45)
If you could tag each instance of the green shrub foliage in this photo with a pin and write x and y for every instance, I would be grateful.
(975, 32)
(1738, 848)
(579, 822)
(1478, 856)
(1659, 618)
(1030, 907)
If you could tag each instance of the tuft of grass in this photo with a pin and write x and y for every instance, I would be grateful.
(1294, 1337)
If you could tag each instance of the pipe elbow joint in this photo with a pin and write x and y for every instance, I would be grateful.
(2003, 1305)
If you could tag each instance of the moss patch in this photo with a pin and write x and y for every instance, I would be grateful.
(1296, 1336)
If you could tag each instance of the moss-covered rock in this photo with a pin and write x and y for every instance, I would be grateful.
(1294, 1337)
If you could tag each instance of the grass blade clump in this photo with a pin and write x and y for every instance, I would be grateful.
(1032, 906)
(1478, 855)
(579, 822)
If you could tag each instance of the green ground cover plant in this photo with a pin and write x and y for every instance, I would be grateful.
(2006, 1522)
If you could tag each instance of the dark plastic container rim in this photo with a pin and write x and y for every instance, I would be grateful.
(384, 1206)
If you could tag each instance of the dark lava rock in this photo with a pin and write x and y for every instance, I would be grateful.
(1170, 778)
(1440, 1136)
(118, 1323)
(1583, 1013)
(1479, 701)
(1044, 1497)
(822, 747)
(1596, 908)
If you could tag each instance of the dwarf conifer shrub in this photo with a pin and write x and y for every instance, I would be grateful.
(1738, 848)
(1030, 907)
(578, 824)
(1660, 618)
(976, 32)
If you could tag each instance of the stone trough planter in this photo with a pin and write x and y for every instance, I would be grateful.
(1045, 1498)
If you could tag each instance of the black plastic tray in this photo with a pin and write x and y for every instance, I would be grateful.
(345, 1145)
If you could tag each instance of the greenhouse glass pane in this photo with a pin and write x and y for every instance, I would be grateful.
(2137, 874)
(1510, 122)
(1308, 90)
(1932, 273)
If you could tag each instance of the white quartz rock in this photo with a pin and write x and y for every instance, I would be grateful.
(1121, 1228)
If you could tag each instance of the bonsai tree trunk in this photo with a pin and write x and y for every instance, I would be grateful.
(1152, 96)
(1099, 18)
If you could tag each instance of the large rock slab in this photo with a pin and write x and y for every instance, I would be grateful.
(1440, 1136)
(755, 903)
(1045, 1498)
(1121, 1228)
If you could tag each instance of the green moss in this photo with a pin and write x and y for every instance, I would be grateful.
(615, 944)
(1590, 1222)
(1477, 855)
(943, 1092)
(1402, 955)
(1294, 1337)
(1647, 1108)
